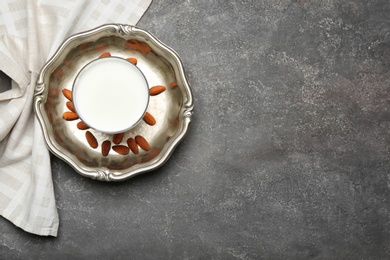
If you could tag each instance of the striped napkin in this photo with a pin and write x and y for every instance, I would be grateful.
(31, 31)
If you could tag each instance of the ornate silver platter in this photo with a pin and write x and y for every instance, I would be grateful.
(172, 108)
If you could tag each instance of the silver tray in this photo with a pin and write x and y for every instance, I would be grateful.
(172, 109)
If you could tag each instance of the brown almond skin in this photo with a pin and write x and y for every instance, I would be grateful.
(132, 145)
(156, 90)
(149, 119)
(173, 84)
(132, 60)
(69, 116)
(121, 149)
(67, 93)
(143, 47)
(106, 146)
(141, 141)
(106, 54)
(138, 46)
(91, 139)
(82, 126)
(70, 106)
(117, 138)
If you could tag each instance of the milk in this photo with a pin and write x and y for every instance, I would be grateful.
(110, 95)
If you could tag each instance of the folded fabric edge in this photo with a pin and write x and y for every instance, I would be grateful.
(11, 70)
(49, 231)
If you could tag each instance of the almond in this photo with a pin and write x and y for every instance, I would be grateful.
(156, 90)
(173, 84)
(145, 48)
(117, 138)
(91, 139)
(149, 119)
(106, 54)
(69, 116)
(82, 126)
(121, 149)
(70, 106)
(142, 143)
(67, 93)
(132, 145)
(132, 60)
(106, 146)
(138, 46)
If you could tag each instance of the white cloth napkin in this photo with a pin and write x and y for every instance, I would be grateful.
(31, 31)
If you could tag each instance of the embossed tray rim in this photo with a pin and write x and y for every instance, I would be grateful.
(102, 173)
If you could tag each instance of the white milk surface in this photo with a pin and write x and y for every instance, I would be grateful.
(110, 95)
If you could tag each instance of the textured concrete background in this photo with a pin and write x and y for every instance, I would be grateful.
(288, 155)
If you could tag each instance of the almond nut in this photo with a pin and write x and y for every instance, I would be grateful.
(106, 146)
(82, 126)
(132, 60)
(156, 90)
(106, 54)
(67, 93)
(69, 116)
(70, 106)
(117, 138)
(149, 119)
(132, 145)
(91, 139)
(173, 84)
(142, 143)
(121, 149)
(136, 45)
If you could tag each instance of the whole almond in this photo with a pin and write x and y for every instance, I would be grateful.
(138, 46)
(145, 48)
(70, 106)
(156, 90)
(132, 145)
(117, 138)
(141, 141)
(106, 146)
(82, 126)
(69, 116)
(67, 93)
(106, 54)
(132, 60)
(149, 119)
(173, 84)
(121, 149)
(91, 139)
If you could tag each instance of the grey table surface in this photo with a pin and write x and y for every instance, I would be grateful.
(288, 153)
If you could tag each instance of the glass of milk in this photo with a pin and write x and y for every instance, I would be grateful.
(110, 95)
